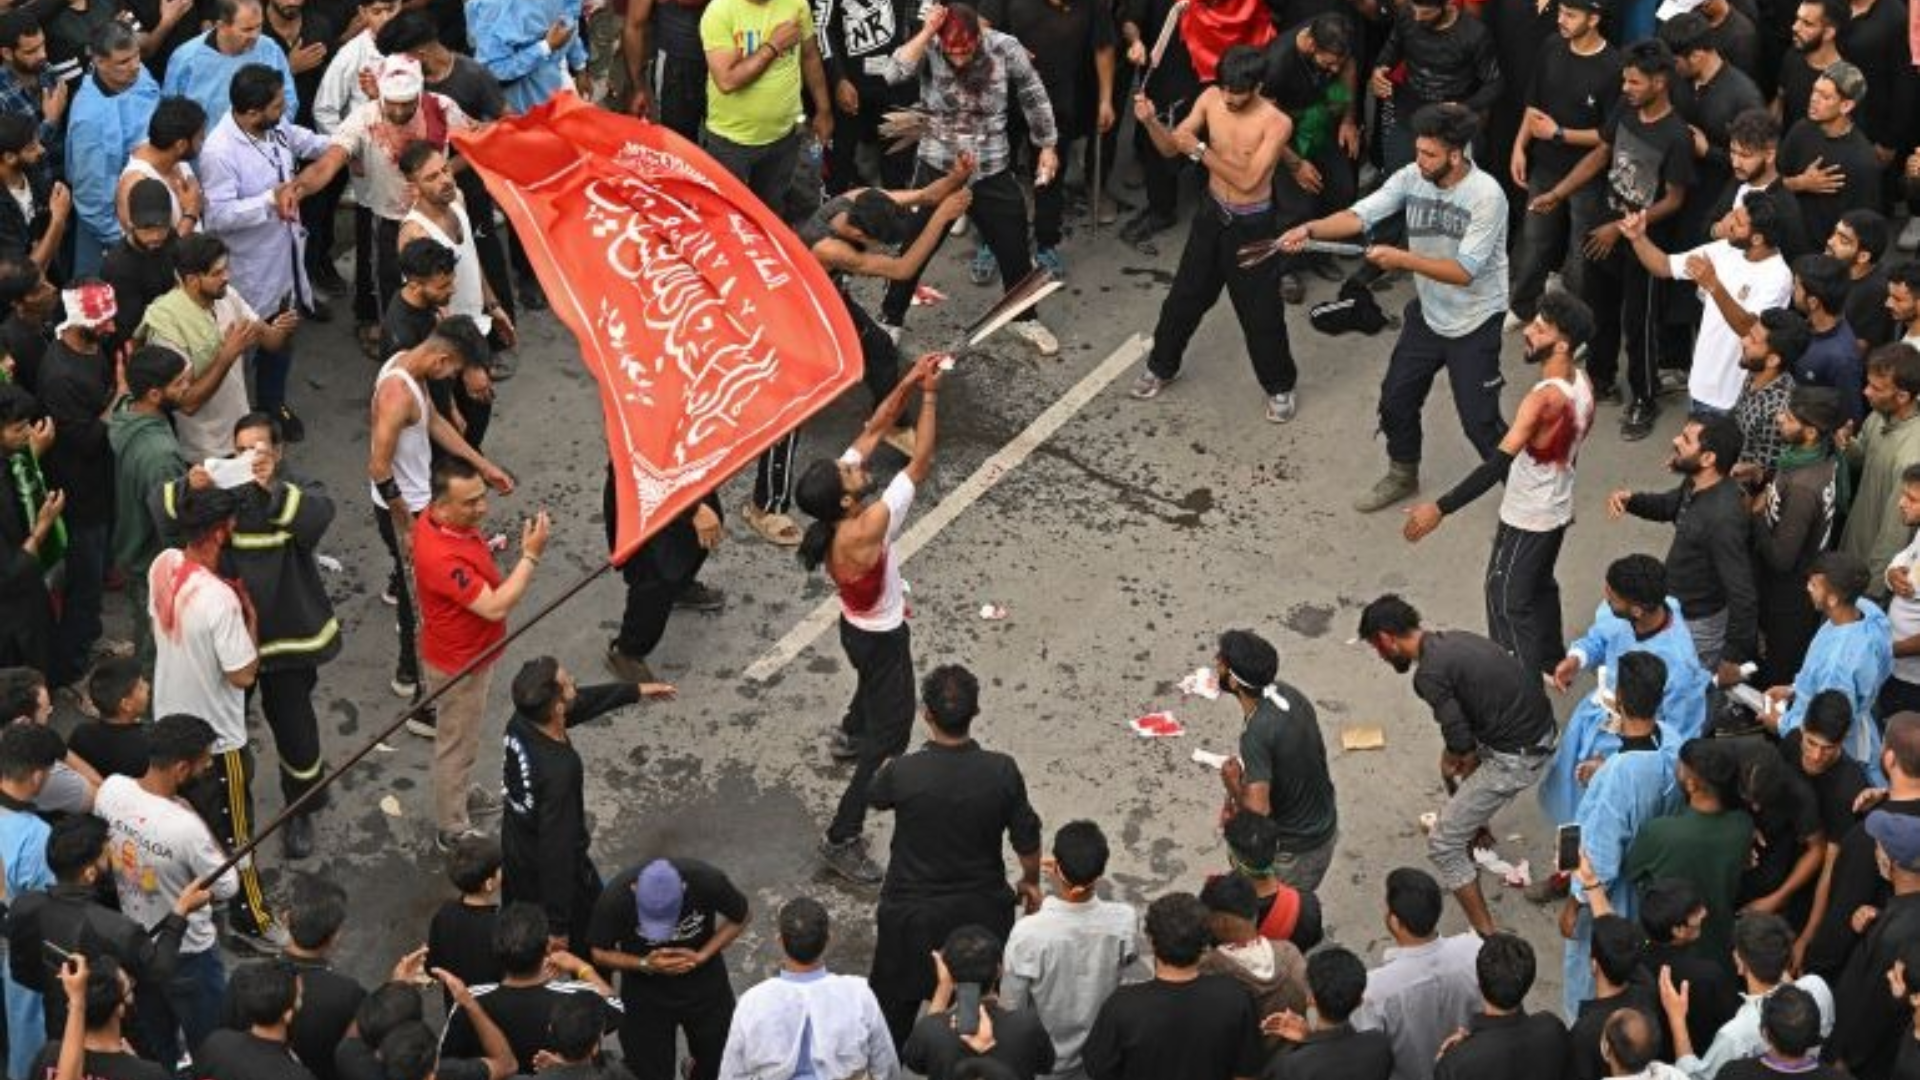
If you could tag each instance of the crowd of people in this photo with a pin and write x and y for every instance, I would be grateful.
(1710, 188)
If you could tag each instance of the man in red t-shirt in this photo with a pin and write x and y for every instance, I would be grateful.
(464, 604)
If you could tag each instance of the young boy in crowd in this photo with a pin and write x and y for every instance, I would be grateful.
(460, 938)
(116, 742)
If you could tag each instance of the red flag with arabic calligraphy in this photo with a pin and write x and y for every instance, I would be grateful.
(710, 327)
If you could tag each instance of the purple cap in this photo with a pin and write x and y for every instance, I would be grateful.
(658, 893)
(1899, 836)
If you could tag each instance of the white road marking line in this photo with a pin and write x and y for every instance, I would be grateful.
(962, 498)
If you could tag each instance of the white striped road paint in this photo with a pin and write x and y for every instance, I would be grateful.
(962, 498)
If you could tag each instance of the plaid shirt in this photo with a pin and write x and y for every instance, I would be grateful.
(1757, 413)
(16, 99)
(962, 116)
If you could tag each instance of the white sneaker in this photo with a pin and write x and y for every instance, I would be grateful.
(1909, 236)
(1511, 323)
(959, 226)
(1035, 334)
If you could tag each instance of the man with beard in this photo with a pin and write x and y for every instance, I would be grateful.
(140, 266)
(1816, 34)
(1712, 89)
(115, 101)
(247, 166)
(29, 88)
(33, 219)
(145, 455)
(1457, 250)
(78, 385)
(213, 326)
(1768, 352)
(1536, 459)
(1859, 241)
(372, 138)
(1311, 78)
(29, 301)
(1646, 154)
(1574, 87)
(1497, 725)
(1739, 276)
(1708, 566)
(1236, 135)
(1793, 521)
(439, 213)
(1753, 138)
(1887, 443)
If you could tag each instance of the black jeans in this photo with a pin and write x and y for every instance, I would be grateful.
(767, 170)
(879, 718)
(1523, 596)
(408, 665)
(1624, 302)
(318, 215)
(1545, 240)
(683, 95)
(286, 697)
(999, 212)
(852, 131)
(1210, 263)
(647, 1037)
(1472, 364)
(1294, 204)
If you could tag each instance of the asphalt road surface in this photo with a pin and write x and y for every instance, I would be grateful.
(1121, 537)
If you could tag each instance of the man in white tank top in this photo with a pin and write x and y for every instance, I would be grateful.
(1536, 460)
(439, 214)
(406, 428)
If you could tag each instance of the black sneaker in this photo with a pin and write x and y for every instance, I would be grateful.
(296, 837)
(424, 723)
(1606, 393)
(292, 428)
(1638, 423)
(850, 860)
(700, 596)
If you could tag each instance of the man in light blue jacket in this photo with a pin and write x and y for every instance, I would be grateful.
(113, 106)
(203, 69)
(529, 45)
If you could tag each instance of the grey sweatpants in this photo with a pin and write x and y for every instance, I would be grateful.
(1499, 779)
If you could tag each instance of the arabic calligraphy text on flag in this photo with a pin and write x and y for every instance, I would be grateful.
(711, 330)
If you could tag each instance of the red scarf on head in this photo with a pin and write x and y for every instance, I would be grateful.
(1210, 27)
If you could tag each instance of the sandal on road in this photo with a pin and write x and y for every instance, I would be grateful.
(773, 526)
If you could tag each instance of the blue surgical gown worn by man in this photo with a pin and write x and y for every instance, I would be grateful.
(510, 38)
(1854, 659)
(113, 124)
(1589, 734)
(201, 71)
(1630, 789)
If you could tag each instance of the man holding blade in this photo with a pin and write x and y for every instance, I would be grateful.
(1236, 135)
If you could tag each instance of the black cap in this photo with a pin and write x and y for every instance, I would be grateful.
(150, 205)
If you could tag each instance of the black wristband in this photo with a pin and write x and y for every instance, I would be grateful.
(389, 489)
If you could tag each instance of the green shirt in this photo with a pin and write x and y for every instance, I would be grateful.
(764, 110)
(1709, 850)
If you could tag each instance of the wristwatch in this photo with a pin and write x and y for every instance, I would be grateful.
(1199, 151)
